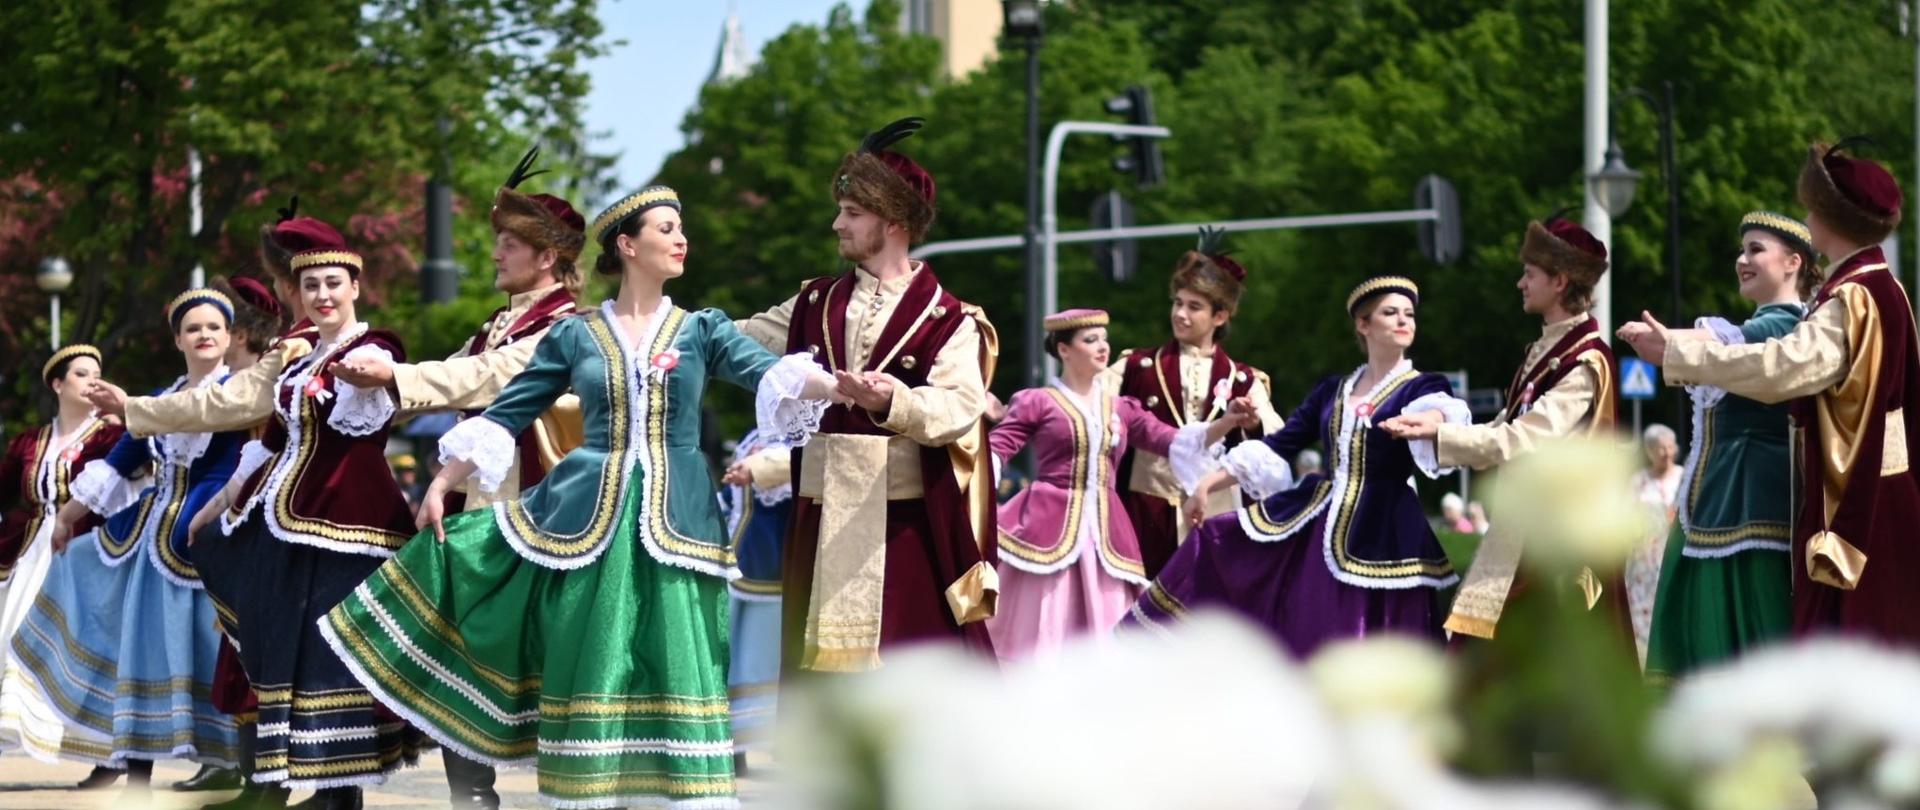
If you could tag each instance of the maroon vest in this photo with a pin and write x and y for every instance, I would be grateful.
(537, 319)
(1874, 507)
(1152, 376)
(1532, 382)
(925, 319)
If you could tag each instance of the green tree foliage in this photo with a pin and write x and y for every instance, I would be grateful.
(350, 105)
(1304, 108)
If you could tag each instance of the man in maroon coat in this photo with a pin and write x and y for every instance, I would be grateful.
(893, 525)
(1852, 372)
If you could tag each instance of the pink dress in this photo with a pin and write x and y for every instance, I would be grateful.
(1069, 561)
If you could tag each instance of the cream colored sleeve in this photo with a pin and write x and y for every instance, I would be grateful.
(241, 401)
(1806, 361)
(771, 468)
(769, 328)
(952, 402)
(1110, 378)
(1262, 397)
(462, 382)
(1560, 412)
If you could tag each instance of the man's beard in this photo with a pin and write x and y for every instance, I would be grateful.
(858, 251)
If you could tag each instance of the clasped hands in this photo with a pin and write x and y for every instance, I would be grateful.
(871, 390)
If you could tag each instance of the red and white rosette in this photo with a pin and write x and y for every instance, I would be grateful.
(663, 363)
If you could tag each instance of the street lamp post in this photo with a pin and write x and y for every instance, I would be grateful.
(53, 278)
(1614, 186)
(1023, 22)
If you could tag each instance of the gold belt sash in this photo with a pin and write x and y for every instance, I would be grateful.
(849, 476)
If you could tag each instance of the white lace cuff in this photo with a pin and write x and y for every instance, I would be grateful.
(1260, 472)
(1727, 333)
(183, 449)
(789, 413)
(253, 456)
(103, 490)
(361, 411)
(1190, 456)
(1426, 453)
(485, 443)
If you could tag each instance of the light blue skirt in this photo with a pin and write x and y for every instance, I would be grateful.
(115, 662)
(753, 677)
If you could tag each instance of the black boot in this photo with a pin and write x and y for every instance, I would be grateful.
(210, 778)
(470, 782)
(100, 778)
(335, 798)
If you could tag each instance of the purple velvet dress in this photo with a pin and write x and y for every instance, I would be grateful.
(1342, 554)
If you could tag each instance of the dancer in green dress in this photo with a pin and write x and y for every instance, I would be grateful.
(1725, 582)
(582, 628)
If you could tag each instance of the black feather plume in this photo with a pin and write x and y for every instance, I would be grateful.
(891, 134)
(1849, 142)
(1212, 240)
(1558, 215)
(292, 209)
(520, 172)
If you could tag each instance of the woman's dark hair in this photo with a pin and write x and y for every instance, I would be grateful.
(59, 370)
(1054, 340)
(257, 325)
(608, 262)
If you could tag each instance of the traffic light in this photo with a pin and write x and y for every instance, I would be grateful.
(1115, 259)
(1143, 154)
(1439, 238)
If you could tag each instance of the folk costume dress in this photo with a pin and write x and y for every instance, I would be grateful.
(758, 518)
(1725, 584)
(1344, 553)
(1070, 563)
(318, 513)
(120, 647)
(34, 477)
(582, 628)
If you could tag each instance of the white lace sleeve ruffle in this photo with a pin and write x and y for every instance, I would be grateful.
(787, 413)
(103, 490)
(361, 411)
(253, 456)
(485, 443)
(183, 449)
(1190, 456)
(1426, 454)
(1727, 332)
(1260, 472)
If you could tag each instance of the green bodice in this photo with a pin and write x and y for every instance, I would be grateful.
(640, 402)
(1736, 495)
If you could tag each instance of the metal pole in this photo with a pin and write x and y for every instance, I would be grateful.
(195, 216)
(1037, 308)
(1669, 166)
(1050, 192)
(55, 321)
(1181, 229)
(1595, 218)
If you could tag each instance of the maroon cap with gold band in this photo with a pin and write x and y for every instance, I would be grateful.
(886, 182)
(314, 245)
(1854, 197)
(1071, 319)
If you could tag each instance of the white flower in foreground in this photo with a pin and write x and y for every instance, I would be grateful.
(1571, 502)
(1211, 717)
(1847, 703)
(1392, 676)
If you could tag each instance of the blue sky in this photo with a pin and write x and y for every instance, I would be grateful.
(643, 88)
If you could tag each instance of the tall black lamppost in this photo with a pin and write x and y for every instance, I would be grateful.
(1614, 185)
(1023, 23)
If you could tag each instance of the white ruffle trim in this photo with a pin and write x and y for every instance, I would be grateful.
(1723, 330)
(183, 449)
(103, 490)
(1190, 456)
(485, 443)
(253, 456)
(781, 405)
(1426, 455)
(362, 411)
(1260, 472)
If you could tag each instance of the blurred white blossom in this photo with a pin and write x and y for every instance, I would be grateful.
(1571, 502)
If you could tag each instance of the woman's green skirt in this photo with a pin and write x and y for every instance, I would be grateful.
(1709, 610)
(611, 679)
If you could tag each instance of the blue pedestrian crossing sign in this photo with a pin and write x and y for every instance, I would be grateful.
(1637, 379)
